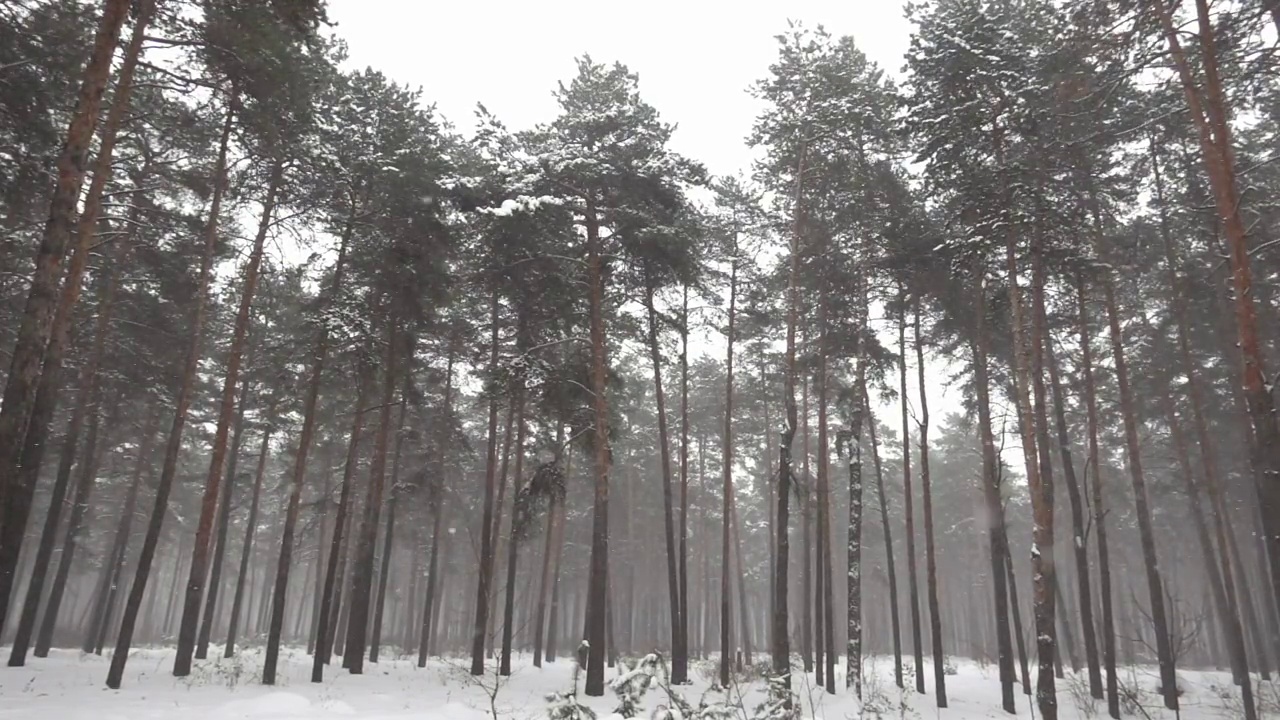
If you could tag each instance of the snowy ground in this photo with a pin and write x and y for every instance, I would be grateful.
(69, 686)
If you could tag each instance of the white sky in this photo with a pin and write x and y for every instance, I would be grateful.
(696, 60)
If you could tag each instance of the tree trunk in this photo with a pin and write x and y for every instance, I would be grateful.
(1210, 113)
(853, 654)
(324, 643)
(1079, 544)
(37, 317)
(319, 353)
(726, 621)
(597, 586)
(779, 630)
(806, 525)
(387, 543)
(436, 502)
(1041, 497)
(680, 663)
(224, 521)
(1016, 610)
(931, 556)
(994, 504)
(1093, 468)
(513, 544)
(1155, 586)
(104, 597)
(208, 502)
(909, 497)
(45, 401)
(367, 542)
(548, 549)
(895, 623)
(174, 444)
(250, 525)
(825, 609)
(668, 500)
(79, 507)
(486, 524)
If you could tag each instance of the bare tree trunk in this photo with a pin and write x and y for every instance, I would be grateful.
(548, 549)
(104, 597)
(1210, 112)
(486, 523)
(319, 355)
(679, 657)
(387, 543)
(680, 663)
(994, 504)
(513, 544)
(174, 444)
(37, 316)
(208, 503)
(1093, 468)
(895, 623)
(250, 525)
(435, 500)
(1155, 586)
(45, 401)
(79, 507)
(1041, 494)
(1079, 541)
(367, 541)
(1016, 610)
(779, 635)
(324, 643)
(726, 647)
(598, 577)
(224, 521)
(931, 556)
(909, 497)
(806, 575)
(853, 653)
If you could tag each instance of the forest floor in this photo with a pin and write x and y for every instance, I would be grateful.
(69, 686)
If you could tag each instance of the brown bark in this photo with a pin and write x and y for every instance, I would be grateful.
(1155, 586)
(37, 316)
(174, 444)
(208, 503)
(680, 663)
(548, 550)
(908, 500)
(806, 530)
(104, 597)
(1093, 468)
(250, 525)
(895, 623)
(931, 557)
(678, 653)
(486, 523)
(513, 544)
(993, 502)
(726, 622)
(324, 642)
(367, 541)
(436, 501)
(224, 522)
(319, 354)
(1210, 115)
(1079, 543)
(597, 585)
(387, 543)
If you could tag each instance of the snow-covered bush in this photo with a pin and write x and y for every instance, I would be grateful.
(565, 705)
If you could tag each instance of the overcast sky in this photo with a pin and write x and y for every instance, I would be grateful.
(696, 60)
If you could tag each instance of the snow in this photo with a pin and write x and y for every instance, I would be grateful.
(69, 686)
